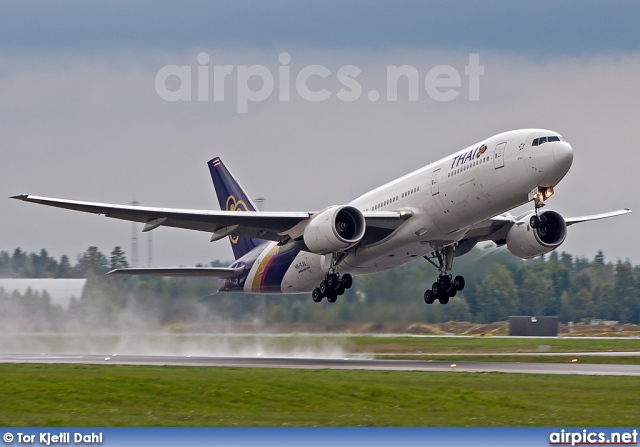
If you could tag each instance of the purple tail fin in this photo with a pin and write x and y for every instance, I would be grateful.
(232, 197)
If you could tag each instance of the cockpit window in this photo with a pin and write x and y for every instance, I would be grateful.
(539, 141)
(542, 140)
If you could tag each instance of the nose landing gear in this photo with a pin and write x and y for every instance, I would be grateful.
(542, 194)
(445, 287)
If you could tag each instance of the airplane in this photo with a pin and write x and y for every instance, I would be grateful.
(438, 212)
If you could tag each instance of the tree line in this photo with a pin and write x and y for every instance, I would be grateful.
(20, 264)
(498, 285)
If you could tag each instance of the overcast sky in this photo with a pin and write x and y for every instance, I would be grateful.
(81, 118)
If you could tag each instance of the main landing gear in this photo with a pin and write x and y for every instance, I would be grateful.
(333, 284)
(445, 286)
(443, 289)
(331, 287)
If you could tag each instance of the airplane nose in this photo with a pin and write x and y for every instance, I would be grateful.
(563, 154)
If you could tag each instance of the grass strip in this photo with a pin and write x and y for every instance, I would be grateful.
(110, 395)
(488, 345)
(593, 359)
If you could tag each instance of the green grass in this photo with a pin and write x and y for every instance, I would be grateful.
(59, 395)
(591, 359)
(488, 345)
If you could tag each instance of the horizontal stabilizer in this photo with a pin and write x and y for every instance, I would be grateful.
(191, 272)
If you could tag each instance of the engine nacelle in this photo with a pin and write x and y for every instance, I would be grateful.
(527, 242)
(334, 229)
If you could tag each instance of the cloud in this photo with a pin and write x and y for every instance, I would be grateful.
(540, 28)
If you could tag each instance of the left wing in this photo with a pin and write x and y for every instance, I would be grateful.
(496, 228)
(575, 220)
(274, 226)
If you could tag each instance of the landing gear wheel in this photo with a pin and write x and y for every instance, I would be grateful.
(332, 298)
(445, 286)
(534, 222)
(445, 282)
(458, 283)
(429, 297)
(332, 281)
(323, 288)
(316, 296)
(347, 281)
(340, 290)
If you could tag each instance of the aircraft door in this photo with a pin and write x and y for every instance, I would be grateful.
(498, 156)
(435, 189)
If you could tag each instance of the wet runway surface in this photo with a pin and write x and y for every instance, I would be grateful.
(315, 363)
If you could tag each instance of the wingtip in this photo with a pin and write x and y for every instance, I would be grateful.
(20, 197)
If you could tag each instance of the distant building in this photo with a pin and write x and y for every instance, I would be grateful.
(533, 326)
(60, 290)
(599, 322)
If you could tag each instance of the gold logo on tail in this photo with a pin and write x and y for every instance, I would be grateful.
(235, 205)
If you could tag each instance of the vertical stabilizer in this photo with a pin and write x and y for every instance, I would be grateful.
(232, 197)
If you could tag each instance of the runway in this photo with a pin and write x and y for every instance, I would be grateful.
(343, 364)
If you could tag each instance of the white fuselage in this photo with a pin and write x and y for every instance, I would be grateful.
(446, 198)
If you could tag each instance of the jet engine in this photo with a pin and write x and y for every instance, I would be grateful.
(525, 241)
(334, 229)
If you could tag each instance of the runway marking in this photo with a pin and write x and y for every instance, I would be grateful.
(343, 364)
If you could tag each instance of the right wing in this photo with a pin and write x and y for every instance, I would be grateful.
(275, 226)
(264, 225)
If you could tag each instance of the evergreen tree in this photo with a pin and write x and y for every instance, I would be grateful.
(19, 263)
(64, 268)
(498, 285)
(627, 300)
(118, 260)
(92, 263)
(6, 270)
(536, 293)
(500, 295)
(579, 304)
(567, 260)
(603, 298)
